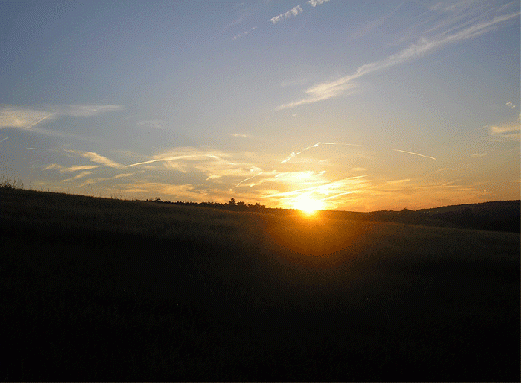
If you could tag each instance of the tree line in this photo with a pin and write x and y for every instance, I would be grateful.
(230, 205)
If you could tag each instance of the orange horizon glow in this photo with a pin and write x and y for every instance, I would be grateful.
(308, 205)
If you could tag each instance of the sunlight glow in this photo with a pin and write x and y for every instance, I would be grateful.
(307, 204)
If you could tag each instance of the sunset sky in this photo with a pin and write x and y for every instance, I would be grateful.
(362, 105)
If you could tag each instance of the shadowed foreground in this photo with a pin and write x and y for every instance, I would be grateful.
(98, 289)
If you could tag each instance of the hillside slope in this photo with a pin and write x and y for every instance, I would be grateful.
(100, 289)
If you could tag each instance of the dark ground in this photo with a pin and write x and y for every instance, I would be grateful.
(113, 290)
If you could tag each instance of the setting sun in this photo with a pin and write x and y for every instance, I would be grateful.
(307, 204)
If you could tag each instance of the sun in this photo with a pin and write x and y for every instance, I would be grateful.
(307, 205)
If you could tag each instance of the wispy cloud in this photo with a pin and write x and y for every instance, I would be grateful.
(294, 154)
(70, 169)
(84, 110)
(510, 105)
(508, 131)
(152, 124)
(183, 154)
(314, 3)
(324, 191)
(99, 159)
(423, 46)
(27, 118)
(415, 154)
(213, 164)
(323, 91)
(97, 180)
(122, 175)
(23, 118)
(286, 15)
(4, 139)
(244, 33)
(308, 176)
(295, 11)
(77, 176)
(183, 192)
(394, 182)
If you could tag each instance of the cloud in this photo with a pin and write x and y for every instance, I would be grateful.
(95, 157)
(423, 46)
(508, 131)
(295, 11)
(15, 117)
(325, 191)
(182, 192)
(242, 34)
(452, 6)
(415, 154)
(88, 110)
(314, 3)
(394, 182)
(4, 139)
(93, 181)
(183, 154)
(27, 118)
(53, 166)
(510, 105)
(78, 176)
(122, 175)
(304, 176)
(214, 164)
(294, 154)
(70, 169)
(153, 124)
(319, 92)
(284, 16)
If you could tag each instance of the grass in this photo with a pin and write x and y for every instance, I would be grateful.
(101, 289)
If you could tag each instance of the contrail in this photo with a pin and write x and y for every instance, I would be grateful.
(294, 154)
(247, 179)
(337, 195)
(338, 143)
(167, 159)
(415, 154)
(3, 139)
(40, 120)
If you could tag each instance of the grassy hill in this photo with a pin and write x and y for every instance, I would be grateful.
(103, 289)
(494, 215)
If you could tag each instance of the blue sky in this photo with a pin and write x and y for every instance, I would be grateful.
(359, 105)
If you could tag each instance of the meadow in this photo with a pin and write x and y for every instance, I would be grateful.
(105, 289)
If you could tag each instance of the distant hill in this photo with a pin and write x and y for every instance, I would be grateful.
(494, 215)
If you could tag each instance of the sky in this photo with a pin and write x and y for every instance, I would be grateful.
(356, 105)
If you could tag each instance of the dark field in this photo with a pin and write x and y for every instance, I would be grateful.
(101, 289)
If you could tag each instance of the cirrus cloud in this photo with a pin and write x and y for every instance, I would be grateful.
(286, 15)
(457, 31)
